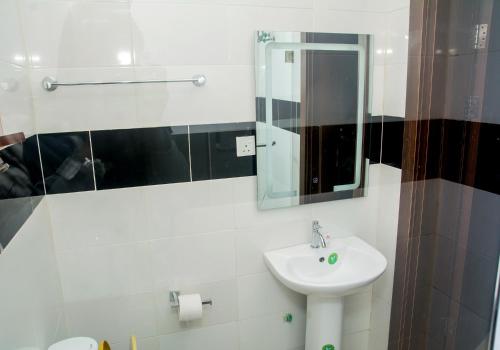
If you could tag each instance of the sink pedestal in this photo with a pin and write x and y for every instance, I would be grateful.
(324, 322)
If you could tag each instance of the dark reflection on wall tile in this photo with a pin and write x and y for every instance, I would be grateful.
(453, 151)
(478, 284)
(392, 141)
(484, 237)
(23, 178)
(21, 187)
(67, 162)
(140, 157)
(328, 38)
(213, 151)
(488, 166)
(338, 154)
(260, 109)
(434, 151)
(494, 42)
(275, 111)
(13, 213)
(286, 114)
(472, 331)
(491, 106)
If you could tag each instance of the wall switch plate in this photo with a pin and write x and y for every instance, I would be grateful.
(245, 146)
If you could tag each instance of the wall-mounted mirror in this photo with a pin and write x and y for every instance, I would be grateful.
(313, 94)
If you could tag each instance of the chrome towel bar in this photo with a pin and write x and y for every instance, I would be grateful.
(50, 83)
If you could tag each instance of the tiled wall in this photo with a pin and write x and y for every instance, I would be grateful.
(32, 304)
(119, 158)
(206, 236)
(30, 292)
(120, 249)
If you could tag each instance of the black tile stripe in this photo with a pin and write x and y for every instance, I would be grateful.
(392, 141)
(488, 166)
(21, 187)
(67, 162)
(286, 114)
(140, 157)
(23, 178)
(149, 156)
(373, 146)
(213, 151)
(449, 148)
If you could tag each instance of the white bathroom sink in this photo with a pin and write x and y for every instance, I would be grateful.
(341, 268)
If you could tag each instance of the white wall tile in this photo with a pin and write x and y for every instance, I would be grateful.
(335, 21)
(271, 332)
(77, 33)
(244, 21)
(378, 90)
(105, 271)
(193, 259)
(393, 5)
(357, 311)
(262, 294)
(356, 341)
(220, 337)
(397, 36)
(380, 6)
(264, 3)
(341, 218)
(171, 104)
(97, 218)
(113, 319)
(31, 291)
(272, 3)
(16, 108)
(12, 49)
(252, 243)
(149, 343)
(179, 34)
(84, 107)
(248, 215)
(380, 321)
(188, 208)
(395, 90)
(224, 309)
(389, 186)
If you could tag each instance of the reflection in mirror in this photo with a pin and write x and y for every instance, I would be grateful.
(313, 100)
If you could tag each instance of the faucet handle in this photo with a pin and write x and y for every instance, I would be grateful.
(316, 224)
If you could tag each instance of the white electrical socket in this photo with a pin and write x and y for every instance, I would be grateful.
(245, 146)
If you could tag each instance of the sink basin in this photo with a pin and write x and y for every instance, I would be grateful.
(325, 275)
(353, 264)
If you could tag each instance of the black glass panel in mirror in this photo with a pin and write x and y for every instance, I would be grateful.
(313, 93)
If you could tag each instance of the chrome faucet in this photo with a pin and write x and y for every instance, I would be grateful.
(317, 239)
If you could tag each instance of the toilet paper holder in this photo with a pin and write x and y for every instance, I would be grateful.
(174, 300)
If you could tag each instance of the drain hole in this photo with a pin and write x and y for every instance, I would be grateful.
(322, 259)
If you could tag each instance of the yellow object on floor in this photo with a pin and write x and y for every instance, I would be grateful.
(103, 345)
(133, 343)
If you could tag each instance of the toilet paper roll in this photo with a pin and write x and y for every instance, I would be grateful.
(190, 307)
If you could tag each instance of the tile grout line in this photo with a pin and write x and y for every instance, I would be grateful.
(189, 152)
(92, 160)
(41, 163)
